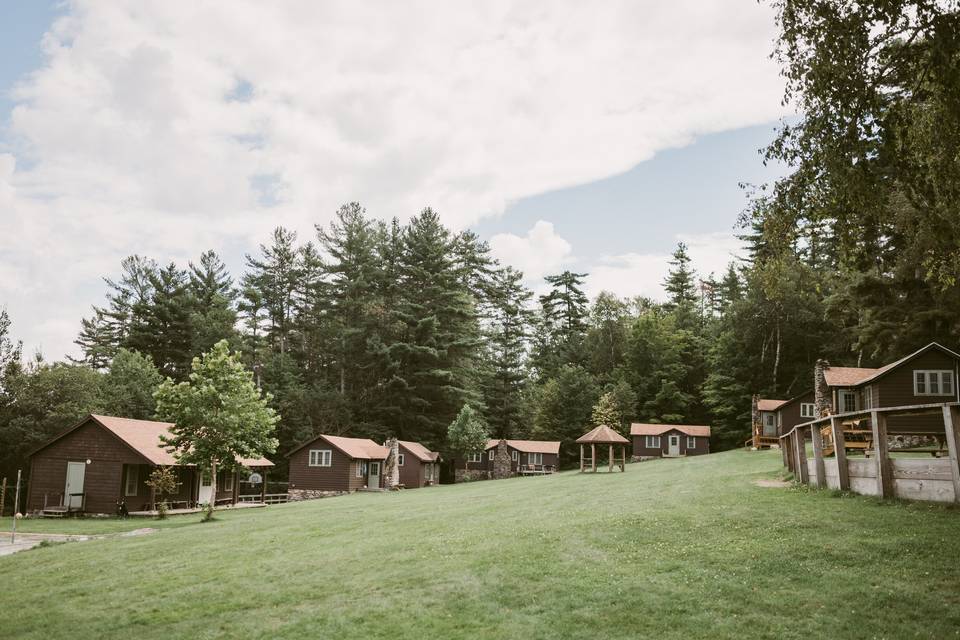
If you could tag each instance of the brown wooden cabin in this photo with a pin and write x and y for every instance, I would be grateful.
(527, 457)
(336, 464)
(669, 440)
(417, 465)
(777, 417)
(104, 460)
(928, 375)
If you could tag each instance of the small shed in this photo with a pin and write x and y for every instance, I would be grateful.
(602, 435)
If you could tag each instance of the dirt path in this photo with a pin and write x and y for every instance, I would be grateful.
(26, 541)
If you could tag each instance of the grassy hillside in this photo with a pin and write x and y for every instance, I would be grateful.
(672, 549)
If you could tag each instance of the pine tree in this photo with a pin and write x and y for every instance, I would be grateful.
(562, 324)
(160, 325)
(214, 316)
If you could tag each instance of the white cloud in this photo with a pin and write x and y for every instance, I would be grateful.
(541, 252)
(635, 274)
(166, 128)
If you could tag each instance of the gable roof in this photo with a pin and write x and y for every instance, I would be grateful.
(643, 429)
(143, 436)
(602, 435)
(856, 376)
(359, 448)
(529, 446)
(765, 404)
(420, 451)
(847, 376)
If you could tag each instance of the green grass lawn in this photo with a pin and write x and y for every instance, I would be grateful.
(685, 548)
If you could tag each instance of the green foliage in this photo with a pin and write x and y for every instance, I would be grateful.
(128, 386)
(563, 408)
(163, 482)
(606, 412)
(219, 415)
(467, 433)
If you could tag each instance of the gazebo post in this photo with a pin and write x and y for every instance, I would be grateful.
(623, 458)
(581, 458)
(610, 456)
(593, 458)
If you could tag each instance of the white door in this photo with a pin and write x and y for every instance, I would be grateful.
(373, 477)
(75, 471)
(674, 445)
(206, 488)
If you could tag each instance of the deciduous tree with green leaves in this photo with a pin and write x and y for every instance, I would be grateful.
(467, 433)
(219, 415)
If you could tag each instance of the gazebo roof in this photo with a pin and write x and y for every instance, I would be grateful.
(602, 435)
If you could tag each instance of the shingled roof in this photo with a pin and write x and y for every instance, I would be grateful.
(143, 436)
(359, 448)
(420, 451)
(529, 446)
(642, 429)
(602, 435)
(765, 404)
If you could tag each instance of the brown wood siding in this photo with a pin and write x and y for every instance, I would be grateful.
(790, 413)
(339, 476)
(413, 472)
(701, 446)
(103, 477)
(896, 390)
(141, 500)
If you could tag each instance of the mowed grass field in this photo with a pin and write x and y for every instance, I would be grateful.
(686, 548)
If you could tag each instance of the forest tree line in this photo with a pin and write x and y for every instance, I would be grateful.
(376, 328)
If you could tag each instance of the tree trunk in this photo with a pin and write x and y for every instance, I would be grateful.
(776, 360)
(213, 487)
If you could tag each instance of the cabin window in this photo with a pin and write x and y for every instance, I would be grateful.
(491, 454)
(691, 442)
(515, 455)
(933, 383)
(428, 472)
(807, 410)
(653, 442)
(133, 479)
(475, 457)
(361, 469)
(848, 400)
(227, 481)
(868, 397)
(535, 458)
(320, 458)
(400, 460)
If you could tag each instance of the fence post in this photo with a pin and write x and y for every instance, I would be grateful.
(878, 422)
(818, 455)
(951, 425)
(802, 456)
(840, 451)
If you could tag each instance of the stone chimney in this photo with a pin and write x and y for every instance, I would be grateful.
(823, 404)
(391, 470)
(502, 467)
(755, 416)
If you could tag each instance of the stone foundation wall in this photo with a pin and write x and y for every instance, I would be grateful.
(469, 475)
(296, 495)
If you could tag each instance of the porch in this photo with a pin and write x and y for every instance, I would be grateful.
(226, 506)
(852, 452)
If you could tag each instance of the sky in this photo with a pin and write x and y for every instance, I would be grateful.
(570, 135)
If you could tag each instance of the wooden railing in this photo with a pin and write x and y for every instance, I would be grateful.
(867, 431)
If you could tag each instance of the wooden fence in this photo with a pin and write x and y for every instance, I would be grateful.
(877, 473)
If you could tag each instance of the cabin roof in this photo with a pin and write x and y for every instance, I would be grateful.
(419, 451)
(143, 436)
(529, 446)
(644, 429)
(765, 404)
(359, 448)
(602, 435)
(856, 376)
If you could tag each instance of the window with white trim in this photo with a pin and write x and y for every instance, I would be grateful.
(848, 400)
(515, 455)
(933, 383)
(320, 458)
(475, 457)
(653, 442)
(807, 410)
(691, 442)
(535, 458)
(361, 468)
(400, 460)
(133, 480)
(491, 454)
(868, 397)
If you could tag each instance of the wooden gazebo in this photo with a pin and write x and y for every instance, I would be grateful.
(602, 435)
